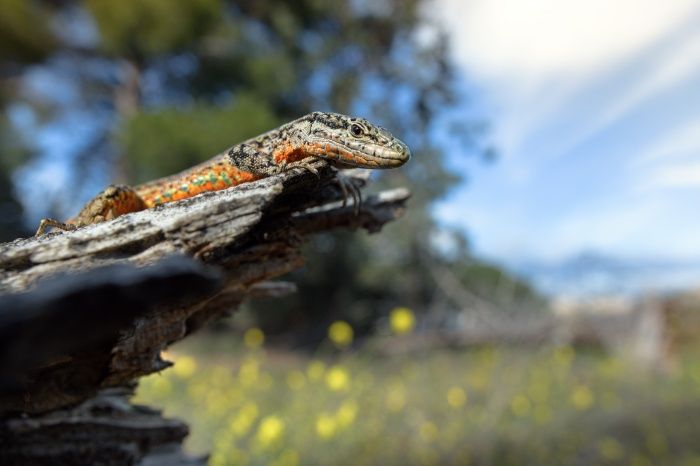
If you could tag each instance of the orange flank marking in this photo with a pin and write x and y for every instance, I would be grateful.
(326, 151)
(329, 152)
(349, 157)
(126, 203)
(213, 177)
(289, 154)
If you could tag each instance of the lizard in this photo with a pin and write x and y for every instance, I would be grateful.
(341, 140)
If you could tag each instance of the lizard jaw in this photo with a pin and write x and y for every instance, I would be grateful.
(363, 154)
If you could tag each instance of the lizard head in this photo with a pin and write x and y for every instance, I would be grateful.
(354, 142)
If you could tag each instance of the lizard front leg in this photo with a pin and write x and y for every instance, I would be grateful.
(253, 160)
(256, 160)
(114, 201)
(47, 223)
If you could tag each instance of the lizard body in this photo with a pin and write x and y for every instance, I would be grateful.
(342, 140)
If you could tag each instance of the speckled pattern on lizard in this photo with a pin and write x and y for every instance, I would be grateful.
(342, 140)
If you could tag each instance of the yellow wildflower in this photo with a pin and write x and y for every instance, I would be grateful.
(270, 430)
(244, 419)
(337, 378)
(253, 338)
(401, 320)
(340, 333)
(346, 413)
(325, 426)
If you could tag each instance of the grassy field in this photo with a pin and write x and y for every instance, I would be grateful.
(487, 406)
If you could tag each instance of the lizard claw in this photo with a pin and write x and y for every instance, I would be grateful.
(305, 164)
(47, 223)
(348, 187)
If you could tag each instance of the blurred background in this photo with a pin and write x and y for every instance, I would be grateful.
(539, 303)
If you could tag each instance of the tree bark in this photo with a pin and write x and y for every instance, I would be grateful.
(85, 313)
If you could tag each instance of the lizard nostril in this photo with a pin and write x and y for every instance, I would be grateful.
(400, 148)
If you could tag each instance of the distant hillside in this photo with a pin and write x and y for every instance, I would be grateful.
(596, 274)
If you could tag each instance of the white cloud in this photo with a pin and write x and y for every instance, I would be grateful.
(664, 72)
(680, 143)
(685, 175)
(554, 37)
(536, 58)
(670, 163)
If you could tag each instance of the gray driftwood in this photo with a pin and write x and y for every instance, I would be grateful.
(83, 314)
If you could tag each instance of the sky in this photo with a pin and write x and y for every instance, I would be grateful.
(594, 109)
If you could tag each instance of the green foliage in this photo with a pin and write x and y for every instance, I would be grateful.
(25, 37)
(148, 28)
(172, 139)
(13, 152)
(10, 210)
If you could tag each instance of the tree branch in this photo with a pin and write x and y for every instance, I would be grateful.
(92, 309)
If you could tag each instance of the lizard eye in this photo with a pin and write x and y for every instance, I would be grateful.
(356, 130)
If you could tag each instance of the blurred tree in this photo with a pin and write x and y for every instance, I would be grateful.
(164, 84)
(24, 40)
(11, 154)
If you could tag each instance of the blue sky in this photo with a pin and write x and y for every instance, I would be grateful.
(595, 111)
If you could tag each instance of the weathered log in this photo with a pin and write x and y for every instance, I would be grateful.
(90, 310)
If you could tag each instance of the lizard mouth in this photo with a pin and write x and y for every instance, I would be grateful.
(366, 154)
(396, 152)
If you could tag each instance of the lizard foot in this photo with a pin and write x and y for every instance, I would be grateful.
(303, 163)
(114, 201)
(346, 185)
(47, 223)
